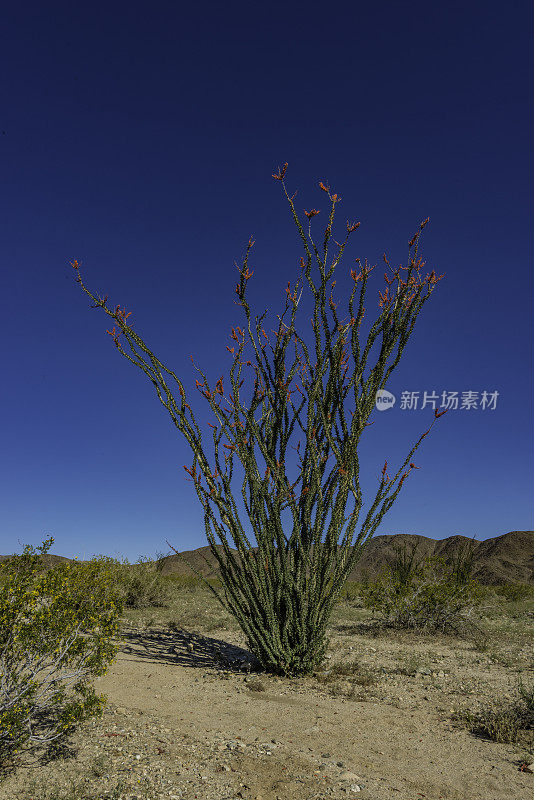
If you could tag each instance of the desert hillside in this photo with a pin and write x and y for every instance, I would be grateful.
(505, 558)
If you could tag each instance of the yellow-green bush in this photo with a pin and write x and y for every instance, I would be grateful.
(351, 592)
(140, 585)
(51, 621)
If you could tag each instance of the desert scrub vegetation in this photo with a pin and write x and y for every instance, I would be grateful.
(359, 673)
(351, 594)
(189, 583)
(429, 594)
(505, 722)
(63, 618)
(78, 789)
(141, 585)
(346, 679)
(514, 592)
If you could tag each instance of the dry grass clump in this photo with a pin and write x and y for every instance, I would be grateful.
(352, 673)
(255, 686)
(359, 673)
(411, 664)
(508, 723)
(78, 790)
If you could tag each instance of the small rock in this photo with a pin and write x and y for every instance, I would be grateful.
(326, 755)
(349, 776)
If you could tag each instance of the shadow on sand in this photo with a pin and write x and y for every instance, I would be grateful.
(188, 649)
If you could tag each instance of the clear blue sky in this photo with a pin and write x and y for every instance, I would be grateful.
(141, 139)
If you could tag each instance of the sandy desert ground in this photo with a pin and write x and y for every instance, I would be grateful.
(189, 714)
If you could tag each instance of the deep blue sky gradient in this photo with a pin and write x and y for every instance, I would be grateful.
(141, 139)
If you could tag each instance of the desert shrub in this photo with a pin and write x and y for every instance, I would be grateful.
(502, 721)
(350, 593)
(140, 585)
(515, 592)
(365, 578)
(526, 696)
(359, 673)
(461, 564)
(183, 583)
(145, 587)
(63, 618)
(427, 594)
(411, 662)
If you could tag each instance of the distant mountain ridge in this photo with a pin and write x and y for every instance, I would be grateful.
(503, 559)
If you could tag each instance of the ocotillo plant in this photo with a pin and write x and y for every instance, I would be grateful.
(282, 592)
